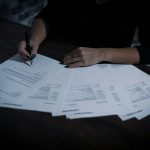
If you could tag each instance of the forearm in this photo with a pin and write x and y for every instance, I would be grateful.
(128, 55)
(38, 31)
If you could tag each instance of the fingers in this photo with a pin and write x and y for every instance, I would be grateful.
(21, 49)
(34, 46)
(82, 56)
(77, 64)
(73, 54)
(21, 46)
(34, 52)
(74, 58)
(71, 60)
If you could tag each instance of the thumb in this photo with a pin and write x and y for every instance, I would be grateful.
(34, 50)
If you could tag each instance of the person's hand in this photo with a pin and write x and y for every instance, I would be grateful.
(21, 46)
(83, 56)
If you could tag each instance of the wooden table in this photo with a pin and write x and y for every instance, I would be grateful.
(26, 129)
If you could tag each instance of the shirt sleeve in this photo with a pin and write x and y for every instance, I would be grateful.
(48, 14)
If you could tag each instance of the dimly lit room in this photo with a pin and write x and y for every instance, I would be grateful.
(75, 74)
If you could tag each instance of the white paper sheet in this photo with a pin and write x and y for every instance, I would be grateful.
(87, 95)
(131, 83)
(18, 79)
(50, 96)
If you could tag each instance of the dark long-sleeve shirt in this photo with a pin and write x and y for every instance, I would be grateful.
(111, 24)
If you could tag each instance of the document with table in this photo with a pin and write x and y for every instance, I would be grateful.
(93, 91)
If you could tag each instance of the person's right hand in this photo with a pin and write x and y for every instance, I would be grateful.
(21, 47)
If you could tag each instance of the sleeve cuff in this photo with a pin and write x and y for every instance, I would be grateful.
(144, 53)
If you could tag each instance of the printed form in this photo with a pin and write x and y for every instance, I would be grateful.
(18, 79)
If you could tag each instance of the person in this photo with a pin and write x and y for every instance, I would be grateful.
(102, 30)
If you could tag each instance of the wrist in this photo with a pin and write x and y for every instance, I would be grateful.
(104, 54)
(120, 55)
(35, 41)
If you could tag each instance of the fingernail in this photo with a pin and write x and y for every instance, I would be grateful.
(66, 66)
(33, 56)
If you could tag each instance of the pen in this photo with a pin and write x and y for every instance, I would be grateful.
(28, 47)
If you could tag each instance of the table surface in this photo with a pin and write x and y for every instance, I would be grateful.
(41, 130)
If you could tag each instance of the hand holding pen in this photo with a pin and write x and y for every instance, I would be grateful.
(28, 48)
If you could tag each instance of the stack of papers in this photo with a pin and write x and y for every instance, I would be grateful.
(98, 90)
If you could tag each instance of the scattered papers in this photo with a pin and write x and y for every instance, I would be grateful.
(98, 90)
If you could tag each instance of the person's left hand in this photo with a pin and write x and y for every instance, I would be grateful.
(82, 56)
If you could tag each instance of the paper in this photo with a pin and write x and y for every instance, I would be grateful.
(88, 95)
(98, 90)
(50, 97)
(18, 79)
(132, 89)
